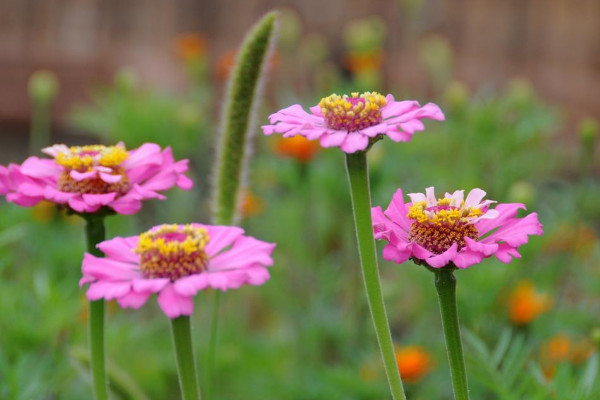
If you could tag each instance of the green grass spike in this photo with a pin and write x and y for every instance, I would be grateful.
(238, 122)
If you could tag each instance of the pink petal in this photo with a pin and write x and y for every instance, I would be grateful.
(487, 249)
(220, 237)
(143, 285)
(506, 253)
(465, 258)
(40, 168)
(127, 205)
(420, 252)
(333, 139)
(147, 154)
(54, 195)
(133, 300)
(397, 211)
(441, 260)
(121, 249)
(110, 178)
(474, 197)
(107, 290)
(190, 285)
(174, 304)
(506, 212)
(98, 199)
(103, 268)
(245, 252)
(80, 176)
(354, 142)
(77, 204)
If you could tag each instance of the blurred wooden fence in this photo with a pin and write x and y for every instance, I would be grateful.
(555, 43)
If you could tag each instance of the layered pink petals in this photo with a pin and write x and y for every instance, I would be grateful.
(500, 231)
(401, 119)
(235, 260)
(149, 169)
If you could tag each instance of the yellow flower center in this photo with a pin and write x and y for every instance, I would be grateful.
(437, 228)
(354, 112)
(84, 159)
(173, 251)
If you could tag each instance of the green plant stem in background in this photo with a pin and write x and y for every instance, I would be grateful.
(184, 352)
(237, 126)
(41, 120)
(212, 345)
(42, 88)
(445, 284)
(95, 234)
(238, 119)
(358, 177)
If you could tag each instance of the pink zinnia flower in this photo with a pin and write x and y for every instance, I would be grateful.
(353, 122)
(87, 178)
(452, 229)
(175, 261)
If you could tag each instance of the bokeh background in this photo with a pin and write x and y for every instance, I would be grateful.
(518, 81)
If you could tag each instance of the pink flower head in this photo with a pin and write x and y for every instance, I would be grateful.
(452, 230)
(87, 178)
(353, 122)
(175, 261)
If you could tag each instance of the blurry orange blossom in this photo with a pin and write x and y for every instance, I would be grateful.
(251, 204)
(414, 362)
(190, 45)
(525, 304)
(560, 348)
(297, 147)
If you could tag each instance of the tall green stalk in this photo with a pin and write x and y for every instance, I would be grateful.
(238, 124)
(358, 177)
(186, 367)
(95, 233)
(445, 284)
(43, 88)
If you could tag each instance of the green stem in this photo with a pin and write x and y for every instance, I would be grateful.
(186, 368)
(358, 176)
(41, 121)
(445, 283)
(95, 234)
(212, 346)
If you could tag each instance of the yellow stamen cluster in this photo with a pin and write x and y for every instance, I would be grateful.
(354, 112)
(443, 216)
(173, 251)
(82, 158)
(437, 227)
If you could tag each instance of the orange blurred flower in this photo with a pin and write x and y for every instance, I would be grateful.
(251, 204)
(44, 211)
(297, 147)
(414, 362)
(560, 348)
(225, 64)
(190, 46)
(525, 304)
(357, 62)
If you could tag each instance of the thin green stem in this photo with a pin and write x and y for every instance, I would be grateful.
(445, 284)
(358, 176)
(212, 346)
(95, 234)
(184, 352)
